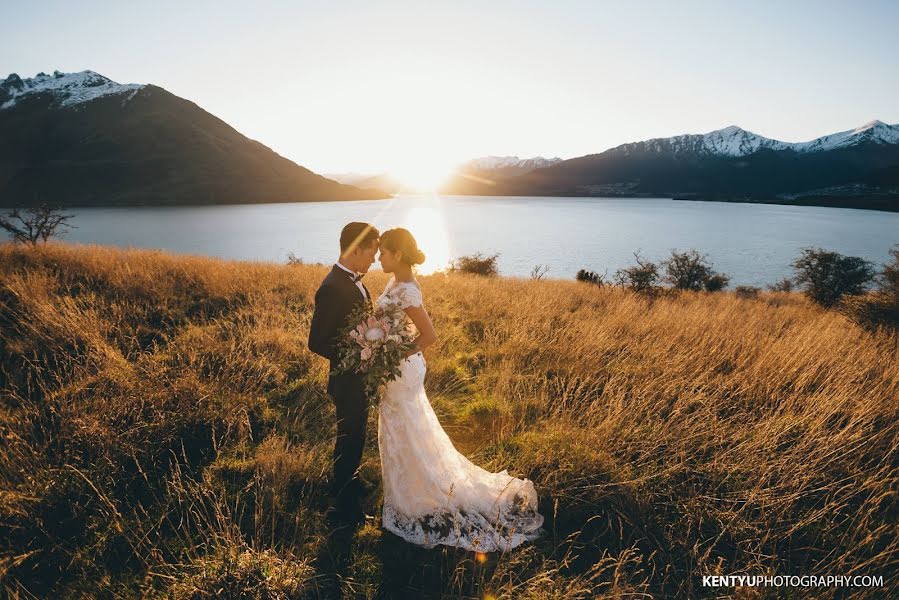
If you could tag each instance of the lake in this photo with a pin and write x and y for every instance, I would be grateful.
(753, 243)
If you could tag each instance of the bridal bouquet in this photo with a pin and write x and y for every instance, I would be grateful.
(374, 345)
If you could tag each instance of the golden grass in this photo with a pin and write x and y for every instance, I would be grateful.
(167, 433)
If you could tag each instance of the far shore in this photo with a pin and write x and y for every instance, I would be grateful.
(880, 203)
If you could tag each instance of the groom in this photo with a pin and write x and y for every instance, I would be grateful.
(337, 296)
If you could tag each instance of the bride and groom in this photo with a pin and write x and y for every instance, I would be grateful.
(432, 493)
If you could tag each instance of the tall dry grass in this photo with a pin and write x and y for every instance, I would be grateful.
(167, 433)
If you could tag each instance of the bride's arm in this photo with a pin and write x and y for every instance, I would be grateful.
(426, 333)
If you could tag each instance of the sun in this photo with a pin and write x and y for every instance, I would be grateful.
(421, 175)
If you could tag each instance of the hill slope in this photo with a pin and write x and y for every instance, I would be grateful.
(167, 434)
(82, 140)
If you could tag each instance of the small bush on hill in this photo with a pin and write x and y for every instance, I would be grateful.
(747, 291)
(692, 271)
(716, 282)
(476, 264)
(642, 277)
(879, 308)
(590, 277)
(829, 276)
(784, 285)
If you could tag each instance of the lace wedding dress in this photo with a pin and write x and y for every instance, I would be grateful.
(432, 493)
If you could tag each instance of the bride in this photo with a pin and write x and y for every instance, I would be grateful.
(432, 493)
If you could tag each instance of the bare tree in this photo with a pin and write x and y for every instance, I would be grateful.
(34, 224)
(539, 271)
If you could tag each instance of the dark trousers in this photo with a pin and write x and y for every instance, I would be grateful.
(351, 406)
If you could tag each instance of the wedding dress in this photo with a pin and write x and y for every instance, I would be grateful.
(432, 493)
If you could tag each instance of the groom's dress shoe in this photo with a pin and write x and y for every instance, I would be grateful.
(364, 488)
(354, 488)
(346, 516)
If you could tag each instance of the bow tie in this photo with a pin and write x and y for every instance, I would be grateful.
(358, 277)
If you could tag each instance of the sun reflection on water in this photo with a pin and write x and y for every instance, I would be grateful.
(427, 224)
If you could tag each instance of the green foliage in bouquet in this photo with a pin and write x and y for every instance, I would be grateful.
(373, 345)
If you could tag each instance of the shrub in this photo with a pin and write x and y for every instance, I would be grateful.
(642, 277)
(687, 270)
(828, 276)
(716, 282)
(747, 291)
(784, 285)
(889, 277)
(872, 310)
(692, 271)
(476, 264)
(590, 277)
(881, 307)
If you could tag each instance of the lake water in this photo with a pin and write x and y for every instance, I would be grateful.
(753, 243)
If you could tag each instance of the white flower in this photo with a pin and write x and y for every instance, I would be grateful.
(374, 334)
(393, 337)
(365, 353)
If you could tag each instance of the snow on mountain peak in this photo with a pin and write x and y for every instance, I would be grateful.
(67, 88)
(729, 141)
(870, 125)
(489, 163)
(873, 131)
(734, 141)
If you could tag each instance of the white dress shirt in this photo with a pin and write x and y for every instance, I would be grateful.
(358, 282)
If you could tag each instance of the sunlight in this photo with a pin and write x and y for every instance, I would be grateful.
(421, 174)
(427, 225)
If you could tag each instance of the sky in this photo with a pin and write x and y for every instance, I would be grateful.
(414, 88)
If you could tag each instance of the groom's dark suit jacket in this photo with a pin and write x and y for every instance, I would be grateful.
(335, 299)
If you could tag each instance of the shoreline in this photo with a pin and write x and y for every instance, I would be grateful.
(881, 204)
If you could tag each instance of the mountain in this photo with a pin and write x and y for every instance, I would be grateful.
(507, 166)
(473, 175)
(857, 168)
(380, 181)
(80, 139)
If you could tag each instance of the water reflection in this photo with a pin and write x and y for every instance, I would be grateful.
(428, 225)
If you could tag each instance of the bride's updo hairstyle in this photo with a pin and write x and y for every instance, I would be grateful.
(399, 239)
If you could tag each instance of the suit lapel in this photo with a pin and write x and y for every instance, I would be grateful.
(348, 282)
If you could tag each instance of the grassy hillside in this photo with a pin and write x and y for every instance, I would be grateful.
(166, 433)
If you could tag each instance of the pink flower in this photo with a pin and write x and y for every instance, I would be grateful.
(365, 354)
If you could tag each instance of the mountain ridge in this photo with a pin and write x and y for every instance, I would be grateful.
(80, 139)
(854, 168)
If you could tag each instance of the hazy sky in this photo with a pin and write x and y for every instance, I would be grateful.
(418, 86)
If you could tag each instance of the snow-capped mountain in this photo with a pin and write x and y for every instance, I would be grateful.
(876, 132)
(735, 141)
(490, 163)
(730, 141)
(497, 168)
(857, 167)
(67, 89)
(81, 139)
